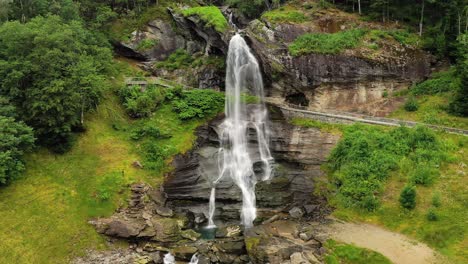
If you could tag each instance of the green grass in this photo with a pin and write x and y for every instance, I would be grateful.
(340, 253)
(285, 15)
(325, 127)
(326, 43)
(447, 233)
(211, 15)
(45, 213)
(404, 37)
(432, 109)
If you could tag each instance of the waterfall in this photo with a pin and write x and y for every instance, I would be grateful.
(238, 153)
(169, 259)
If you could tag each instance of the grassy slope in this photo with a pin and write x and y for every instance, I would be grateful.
(448, 234)
(45, 213)
(350, 254)
(432, 111)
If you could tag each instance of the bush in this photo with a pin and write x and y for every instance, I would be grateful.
(411, 104)
(436, 200)
(155, 155)
(365, 156)
(139, 102)
(408, 197)
(326, 43)
(146, 44)
(432, 215)
(179, 59)
(438, 83)
(424, 175)
(198, 103)
(147, 130)
(211, 15)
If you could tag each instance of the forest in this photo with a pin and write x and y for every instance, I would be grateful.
(344, 111)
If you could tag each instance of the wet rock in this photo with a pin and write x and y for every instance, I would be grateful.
(190, 234)
(235, 247)
(164, 211)
(166, 229)
(200, 218)
(296, 212)
(158, 196)
(184, 252)
(229, 231)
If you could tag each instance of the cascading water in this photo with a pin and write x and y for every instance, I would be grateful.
(243, 121)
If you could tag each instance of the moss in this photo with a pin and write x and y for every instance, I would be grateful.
(211, 15)
(326, 43)
(251, 243)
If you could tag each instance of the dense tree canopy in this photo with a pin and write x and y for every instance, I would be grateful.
(15, 138)
(52, 72)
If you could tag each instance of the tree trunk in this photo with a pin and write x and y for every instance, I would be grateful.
(359, 6)
(422, 19)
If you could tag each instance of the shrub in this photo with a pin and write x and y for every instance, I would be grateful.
(211, 15)
(326, 43)
(198, 103)
(411, 104)
(408, 197)
(179, 59)
(432, 215)
(146, 44)
(424, 175)
(436, 200)
(438, 83)
(155, 155)
(141, 102)
(148, 130)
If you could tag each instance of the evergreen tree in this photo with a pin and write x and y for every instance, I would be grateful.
(408, 197)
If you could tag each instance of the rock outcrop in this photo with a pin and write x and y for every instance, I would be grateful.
(353, 80)
(298, 154)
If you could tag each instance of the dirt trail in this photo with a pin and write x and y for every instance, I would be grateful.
(396, 247)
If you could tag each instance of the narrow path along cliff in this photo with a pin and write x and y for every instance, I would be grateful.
(397, 247)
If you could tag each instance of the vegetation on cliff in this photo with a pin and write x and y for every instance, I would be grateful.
(211, 15)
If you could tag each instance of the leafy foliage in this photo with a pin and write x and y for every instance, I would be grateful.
(198, 103)
(408, 197)
(326, 43)
(438, 83)
(146, 44)
(15, 139)
(141, 102)
(364, 158)
(459, 105)
(179, 59)
(411, 104)
(52, 72)
(211, 15)
(250, 8)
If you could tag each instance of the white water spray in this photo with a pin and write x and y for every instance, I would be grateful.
(235, 160)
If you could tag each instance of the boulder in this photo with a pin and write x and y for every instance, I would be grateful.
(190, 234)
(124, 229)
(184, 252)
(296, 212)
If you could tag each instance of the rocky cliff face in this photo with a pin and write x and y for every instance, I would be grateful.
(353, 80)
(298, 154)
